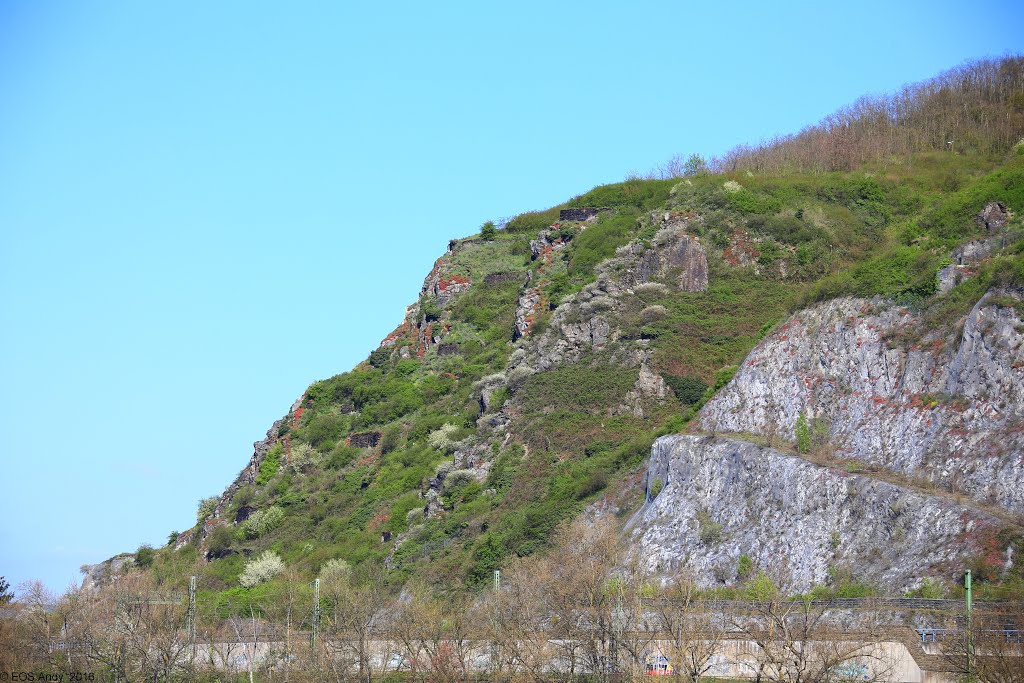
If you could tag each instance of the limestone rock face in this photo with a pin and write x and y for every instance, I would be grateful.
(722, 498)
(949, 410)
(96, 576)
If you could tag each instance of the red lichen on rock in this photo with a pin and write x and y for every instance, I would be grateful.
(446, 283)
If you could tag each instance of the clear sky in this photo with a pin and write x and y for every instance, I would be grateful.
(206, 206)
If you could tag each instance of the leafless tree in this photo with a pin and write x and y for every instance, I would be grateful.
(692, 627)
(795, 644)
(993, 651)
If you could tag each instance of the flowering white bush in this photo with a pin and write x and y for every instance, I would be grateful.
(456, 477)
(651, 289)
(731, 186)
(206, 508)
(263, 568)
(302, 455)
(441, 438)
(262, 522)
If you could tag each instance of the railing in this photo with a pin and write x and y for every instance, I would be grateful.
(938, 635)
(858, 603)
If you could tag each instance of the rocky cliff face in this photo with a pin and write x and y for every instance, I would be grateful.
(945, 408)
(723, 498)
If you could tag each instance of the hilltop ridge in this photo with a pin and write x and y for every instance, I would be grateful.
(542, 358)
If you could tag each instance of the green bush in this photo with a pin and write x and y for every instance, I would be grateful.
(709, 532)
(599, 242)
(597, 481)
(533, 222)
(577, 387)
(688, 390)
(144, 556)
(269, 466)
(803, 434)
(488, 231)
(219, 540)
(745, 567)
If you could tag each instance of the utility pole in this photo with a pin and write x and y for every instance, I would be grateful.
(970, 626)
(191, 616)
(316, 617)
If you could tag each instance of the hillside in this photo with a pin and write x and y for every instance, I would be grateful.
(857, 321)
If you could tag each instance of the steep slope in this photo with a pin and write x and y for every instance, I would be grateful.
(540, 361)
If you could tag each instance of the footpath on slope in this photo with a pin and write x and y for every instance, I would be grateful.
(876, 473)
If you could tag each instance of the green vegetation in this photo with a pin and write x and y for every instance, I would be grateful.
(778, 236)
(144, 556)
(803, 434)
(269, 466)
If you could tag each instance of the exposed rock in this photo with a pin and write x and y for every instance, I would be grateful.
(581, 214)
(977, 250)
(994, 216)
(675, 256)
(96, 576)
(526, 311)
(742, 250)
(947, 410)
(498, 278)
(364, 439)
(952, 275)
(723, 498)
(649, 387)
(243, 513)
(447, 349)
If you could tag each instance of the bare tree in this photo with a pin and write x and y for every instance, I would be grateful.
(794, 644)
(694, 629)
(993, 651)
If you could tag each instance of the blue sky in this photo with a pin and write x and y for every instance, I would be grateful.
(205, 207)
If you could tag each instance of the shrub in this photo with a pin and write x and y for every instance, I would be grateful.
(577, 387)
(929, 589)
(336, 571)
(744, 567)
(488, 231)
(325, 429)
(144, 556)
(262, 569)
(709, 531)
(803, 434)
(303, 455)
(219, 540)
(270, 464)
(456, 478)
(761, 588)
(656, 486)
(429, 309)
(263, 522)
(597, 481)
(379, 357)
(206, 508)
(688, 390)
(440, 439)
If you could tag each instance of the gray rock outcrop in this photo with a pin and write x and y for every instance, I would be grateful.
(946, 409)
(723, 498)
